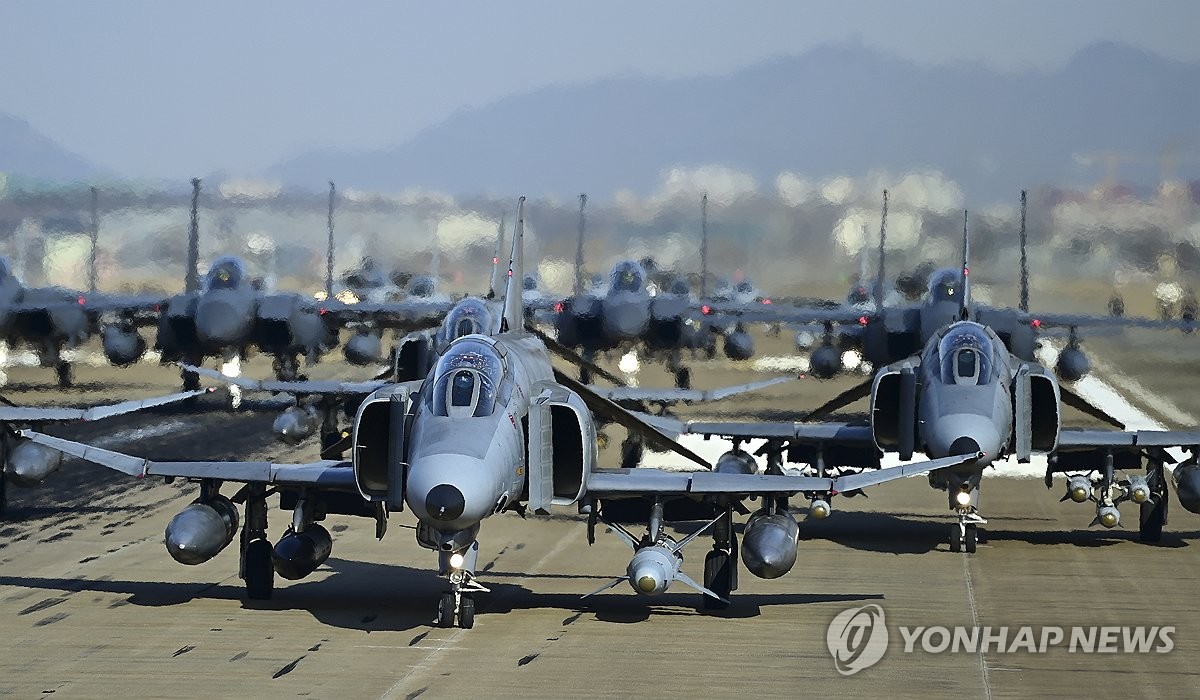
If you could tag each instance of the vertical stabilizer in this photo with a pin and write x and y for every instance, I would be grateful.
(494, 285)
(964, 301)
(1024, 305)
(579, 247)
(329, 249)
(882, 241)
(191, 281)
(704, 246)
(95, 238)
(514, 309)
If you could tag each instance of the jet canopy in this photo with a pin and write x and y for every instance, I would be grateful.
(225, 273)
(628, 276)
(966, 355)
(468, 376)
(945, 285)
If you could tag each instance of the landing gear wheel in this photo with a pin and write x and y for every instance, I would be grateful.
(445, 617)
(1153, 515)
(971, 539)
(631, 453)
(585, 375)
(260, 571)
(956, 538)
(717, 579)
(63, 369)
(683, 378)
(466, 612)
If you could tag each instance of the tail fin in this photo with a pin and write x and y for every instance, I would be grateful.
(514, 309)
(579, 247)
(704, 246)
(495, 284)
(882, 241)
(95, 237)
(964, 301)
(191, 280)
(329, 250)
(1024, 305)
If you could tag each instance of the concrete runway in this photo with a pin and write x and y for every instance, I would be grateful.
(92, 606)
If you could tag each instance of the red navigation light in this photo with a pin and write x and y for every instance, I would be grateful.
(862, 320)
(1035, 323)
(766, 301)
(966, 272)
(324, 311)
(495, 260)
(81, 300)
(558, 307)
(706, 309)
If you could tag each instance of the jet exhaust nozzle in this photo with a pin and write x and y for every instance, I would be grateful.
(200, 531)
(29, 463)
(769, 544)
(298, 554)
(122, 346)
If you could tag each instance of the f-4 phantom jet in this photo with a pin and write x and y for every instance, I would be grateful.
(494, 427)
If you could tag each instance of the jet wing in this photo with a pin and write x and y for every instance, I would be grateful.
(631, 483)
(1089, 321)
(32, 414)
(1071, 440)
(409, 315)
(811, 433)
(782, 313)
(299, 387)
(327, 474)
(632, 393)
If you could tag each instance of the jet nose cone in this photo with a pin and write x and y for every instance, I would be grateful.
(219, 323)
(445, 502)
(965, 433)
(625, 320)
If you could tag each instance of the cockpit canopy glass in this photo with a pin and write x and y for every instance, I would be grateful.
(470, 316)
(467, 378)
(225, 273)
(945, 285)
(966, 355)
(628, 277)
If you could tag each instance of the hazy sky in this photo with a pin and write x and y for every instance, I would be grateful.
(160, 89)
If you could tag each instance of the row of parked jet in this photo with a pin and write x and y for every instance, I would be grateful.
(485, 424)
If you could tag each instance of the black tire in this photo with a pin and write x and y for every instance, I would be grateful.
(683, 378)
(445, 616)
(466, 612)
(631, 454)
(971, 539)
(717, 579)
(3, 493)
(1153, 515)
(260, 570)
(63, 370)
(585, 375)
(956, 538)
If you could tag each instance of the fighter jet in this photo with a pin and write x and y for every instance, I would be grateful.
(492, 428)
(24, 463)
(51, 319)
(629, 313)
(890, 333)
(227, 315)
(966, 393)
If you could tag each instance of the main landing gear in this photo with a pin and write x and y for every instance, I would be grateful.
(720, 564)
(257, 567)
